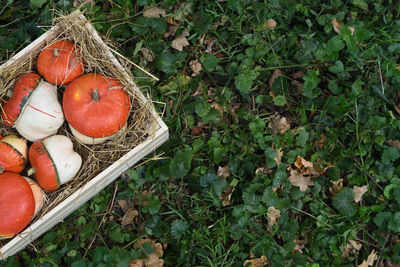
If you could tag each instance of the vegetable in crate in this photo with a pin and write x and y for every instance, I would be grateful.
(33, 108)
(60, 62)
(20, 200)
(96, 107)
(13, 154)
(53, 161)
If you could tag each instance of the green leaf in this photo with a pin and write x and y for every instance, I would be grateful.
(311, 82)
(361, 4)
(37, 3)
(154, 205)
(337, 68)
(382, 218)
(269, 197)
(178, 228)
(244, 81)
(302, 138)
(279, 100)
(167, 62)
(335, 44)
(390, 154)
(344, 202)
(147, 248)
(394, 222)
(209, 62)
(202, 108)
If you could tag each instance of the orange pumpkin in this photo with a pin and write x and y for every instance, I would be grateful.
(96, 107)
(60, 62)
(13, 154)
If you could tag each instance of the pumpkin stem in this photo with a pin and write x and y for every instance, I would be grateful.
(56, 53)
(95, 95)
(2, 169)
(31, 171)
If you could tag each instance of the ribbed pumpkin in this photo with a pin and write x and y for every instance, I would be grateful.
(13, 154)
(53, 161)
(60, 62)
(33, 108)
(96, 107)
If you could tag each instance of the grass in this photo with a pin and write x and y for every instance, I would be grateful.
(235, 184)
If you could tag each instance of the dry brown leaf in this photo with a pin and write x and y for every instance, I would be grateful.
(125, 204)
(273, 214)
(271, 24)
(226, 196)
(299, 180)
(217, 106)
(298, 85)
(358, 192)
(196, 67)
(275, 74)
(393, 143)
(157, 246)
(278, 158)
(278, 124)
(171, 30)
(147, 54)
(305, 167)
(337, 185)
(370, 260)
(351, 248)
(151, 261)
(355, 244)
(179, 43)
(300, 243)
(336, 25)
(129, 216)
(223, 172)
(262, 170)
(258, 262)
(154, 12)
(209, 43)
(321, 142)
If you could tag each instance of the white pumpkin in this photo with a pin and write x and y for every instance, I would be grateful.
(54, 161)
(33, 109)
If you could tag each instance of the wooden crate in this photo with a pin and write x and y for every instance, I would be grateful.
(158, 134)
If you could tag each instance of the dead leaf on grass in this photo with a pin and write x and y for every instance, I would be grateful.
(299, 180)
(129, 216)
(275, 74)
(273, 214)
(226, 196)
(147, 54)
(355, 244)
(358, 192)
(271, 24)
(258, 262)
(196, 67)
(151, 261)
(125, 204)
(305, 167)
(278, 158)
(179, 43)
(337, 185)
(154, 12)
(351, 248)
(158, 248)
(300, 243)
(393, 143)
(278, 124)
(338, 24)
(171, 30)
(223, 172)
(370, 260)
(217, 106)
(321, 142)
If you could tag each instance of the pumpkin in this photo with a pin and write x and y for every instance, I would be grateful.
(60, 62)
(33, 108)
(13, 154)
(53, 161)
(96, 107)
(17, 203)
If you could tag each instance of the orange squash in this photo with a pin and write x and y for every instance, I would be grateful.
(96, 107)
(13, 154)
(60, 62)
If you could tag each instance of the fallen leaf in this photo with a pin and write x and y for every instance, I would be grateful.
(355, 244)
(351, 248)
(185, 9)
(151, 261)
(196, 67)
(129, 216)
(258, 262)
(154, 12)
(209, 43)
(262, 170)
(298, 85)
(305, 167)
(393, 143)
(278, 158)
(337, 185)
(179, 43)
(125, 204)
(158, 249)
(147, 54)
(370, 260)
(336, 25)
(223, 172)
(298, 74)
(226, 196)
(358, 192)
(171, 30)
(300, 243)
(273, 214)
(278, 124)
(321, 142)
(275, 74)
(271, 24)
(299, 180)
(196, 131)
(218, 107)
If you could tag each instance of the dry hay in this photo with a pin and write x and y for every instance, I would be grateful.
(96, 158)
